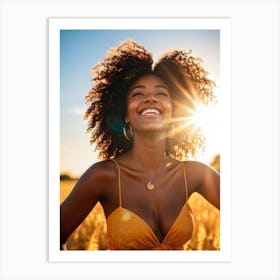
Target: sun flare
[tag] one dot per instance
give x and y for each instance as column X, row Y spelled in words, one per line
column 203, row 119
column 206, row 119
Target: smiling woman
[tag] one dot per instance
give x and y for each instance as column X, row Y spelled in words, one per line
column 149, row 105
column 137, row 119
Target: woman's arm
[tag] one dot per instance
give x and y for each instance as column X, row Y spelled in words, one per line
column 86, row 193
column 205, row 181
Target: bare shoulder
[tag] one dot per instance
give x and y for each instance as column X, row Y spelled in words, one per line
column 197, row 167
column 199, row 175
column 89, row 189
column 98, row 177
column 102, row 169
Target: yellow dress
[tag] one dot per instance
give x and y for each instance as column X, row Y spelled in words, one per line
column 127, row 231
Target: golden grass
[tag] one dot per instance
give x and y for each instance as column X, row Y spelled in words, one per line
column 91, row 234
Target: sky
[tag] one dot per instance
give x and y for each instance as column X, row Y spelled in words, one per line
column 80, row 50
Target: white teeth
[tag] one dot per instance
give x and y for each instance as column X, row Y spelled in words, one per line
column 150, row 111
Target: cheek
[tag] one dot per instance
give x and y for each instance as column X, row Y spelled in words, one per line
column 130, row 109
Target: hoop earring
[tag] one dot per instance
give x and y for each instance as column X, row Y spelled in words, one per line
column 130, row 136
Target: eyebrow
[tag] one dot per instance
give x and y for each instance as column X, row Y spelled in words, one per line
column 142, row 86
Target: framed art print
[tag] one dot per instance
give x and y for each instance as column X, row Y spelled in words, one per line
column 75, row 46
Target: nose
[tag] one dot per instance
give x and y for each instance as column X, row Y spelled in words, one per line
column 150, row 98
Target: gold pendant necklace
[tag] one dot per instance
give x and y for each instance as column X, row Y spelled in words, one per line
column 150, row 186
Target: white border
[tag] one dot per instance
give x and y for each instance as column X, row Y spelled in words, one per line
column 57, row 24
column 24, row 208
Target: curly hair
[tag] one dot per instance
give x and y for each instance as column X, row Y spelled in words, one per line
column 112, row 78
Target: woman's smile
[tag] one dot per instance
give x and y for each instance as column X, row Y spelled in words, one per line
column 149, row 104
column 150, row 112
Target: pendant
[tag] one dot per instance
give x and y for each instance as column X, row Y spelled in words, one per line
column 150, row 186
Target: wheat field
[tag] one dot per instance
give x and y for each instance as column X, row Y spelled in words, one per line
column 91, row 234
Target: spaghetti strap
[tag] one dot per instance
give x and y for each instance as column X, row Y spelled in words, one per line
column 185, row 180
column 119, row 182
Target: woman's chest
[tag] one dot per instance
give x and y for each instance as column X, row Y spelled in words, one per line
column 158, row 208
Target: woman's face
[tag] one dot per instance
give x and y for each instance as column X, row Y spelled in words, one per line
column 149, row 106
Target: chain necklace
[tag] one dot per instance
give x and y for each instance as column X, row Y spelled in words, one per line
column 150, row 186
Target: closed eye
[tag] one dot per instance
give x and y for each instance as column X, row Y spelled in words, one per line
column 163, row 94
column 138, row 93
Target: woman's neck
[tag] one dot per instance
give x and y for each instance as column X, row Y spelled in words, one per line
column 149, row 152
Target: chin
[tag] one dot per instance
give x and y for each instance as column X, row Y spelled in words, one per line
column 154, row 128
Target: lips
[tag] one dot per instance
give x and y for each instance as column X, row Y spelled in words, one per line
column 150, row 112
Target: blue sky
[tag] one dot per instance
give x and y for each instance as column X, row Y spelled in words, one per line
column 80, row 50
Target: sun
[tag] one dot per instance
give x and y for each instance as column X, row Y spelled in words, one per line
column 202, row 119
column 206, row 118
